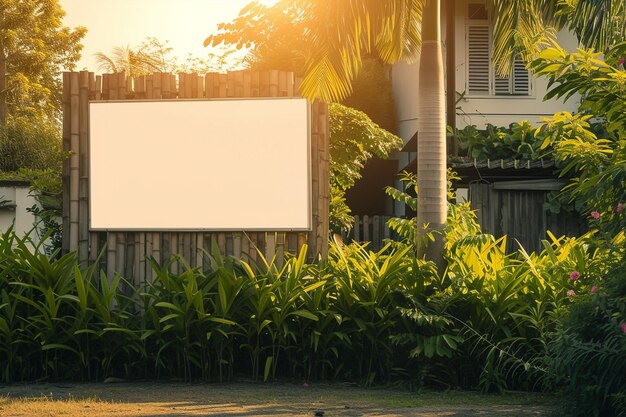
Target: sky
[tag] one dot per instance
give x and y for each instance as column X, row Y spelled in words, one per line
column 184, row 23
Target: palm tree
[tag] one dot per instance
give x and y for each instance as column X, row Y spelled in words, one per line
column 143, row 60
column 340, row 33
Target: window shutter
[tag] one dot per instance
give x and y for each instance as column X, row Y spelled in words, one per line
column 521, row 78
column 517, row 84
column 502, row 86
column 478, row 59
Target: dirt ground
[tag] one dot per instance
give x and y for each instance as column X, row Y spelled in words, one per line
column 255, row 399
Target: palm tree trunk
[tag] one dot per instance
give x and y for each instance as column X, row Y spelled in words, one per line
column 431, row 144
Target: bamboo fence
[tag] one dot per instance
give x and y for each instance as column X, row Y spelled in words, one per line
column 126, row 252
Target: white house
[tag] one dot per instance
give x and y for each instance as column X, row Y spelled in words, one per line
column 486, row 98
column 480, row 97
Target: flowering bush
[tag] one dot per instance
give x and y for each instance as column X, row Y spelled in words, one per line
column 588, row 354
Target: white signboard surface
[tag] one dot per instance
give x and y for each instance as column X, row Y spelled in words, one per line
column 200, row 165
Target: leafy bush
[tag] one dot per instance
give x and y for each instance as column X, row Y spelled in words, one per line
column 518, row 141
column 33, row 143
column 588, row 353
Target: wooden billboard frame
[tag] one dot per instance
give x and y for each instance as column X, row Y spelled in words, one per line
column 127, row 251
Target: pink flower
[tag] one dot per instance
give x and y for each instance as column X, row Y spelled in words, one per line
column 620, row 61
column 574, row 275
column 622, row 327
column 595, row 215
column 594, row 289
column 619, row 207
column 305, row 385
column 571, row 293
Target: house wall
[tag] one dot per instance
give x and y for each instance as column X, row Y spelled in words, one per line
column 14, row 212
column 479, row 111
column 502, row 110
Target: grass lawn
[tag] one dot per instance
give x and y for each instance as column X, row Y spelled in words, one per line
column 256, row 399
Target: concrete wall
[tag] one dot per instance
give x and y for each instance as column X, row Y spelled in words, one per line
column 14, row 212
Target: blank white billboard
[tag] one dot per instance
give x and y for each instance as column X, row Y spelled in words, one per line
column 239, row 164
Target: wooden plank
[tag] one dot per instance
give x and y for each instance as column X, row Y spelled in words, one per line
column 237, row 245
column 156, row 87
column 141, row 260
column 140, row 87
column 247, row 84
column 366, row 228
column 111, row 255
column 280, row 249
column 282, row 84
column 149, row 252
column 187, row 248
column 121, row 86
column 92, row 86
column 199, row 250
column 292, row 243
column 98, row 95
column 83, row 168
column 357, row 229
column 302, row 240
column 223, row 85
column 324, row 182
column 129, row 259
column 270, row 246
column 245, row 247
column 149, row 87
column 221, row 243
column 120, row 253
column 254, row 247
column 230, row 84
column 255, row 87
column 189, row 84
column 129, row 93
column 239, row 87
column 74, row 160
column 209, row 89
column 67, row 133
column 112, row 90
column 291, row 90
column 94, row 247
column 166, row 86
column 386, row 230
column 105, row 86
column 376, row 239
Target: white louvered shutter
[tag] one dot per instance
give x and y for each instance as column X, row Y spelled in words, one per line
column 521, row 78
column 478, row 59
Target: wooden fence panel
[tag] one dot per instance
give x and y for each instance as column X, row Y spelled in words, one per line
column 126, row 252
column 520, row 214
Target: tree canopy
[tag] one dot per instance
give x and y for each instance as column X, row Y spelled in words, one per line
column 34, row 48
column 338, row 35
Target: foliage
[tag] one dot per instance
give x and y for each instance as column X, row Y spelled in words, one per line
column 30, row 143
column 518, row 141
column 153, row 56
column 35, row 47
column 330, row 59
column 460, row 223
column 601, row 83
column 491, row 308
column 372, row 94
column 354, row 138
column 58, row 320
column 587, row 354
column 362, row 315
